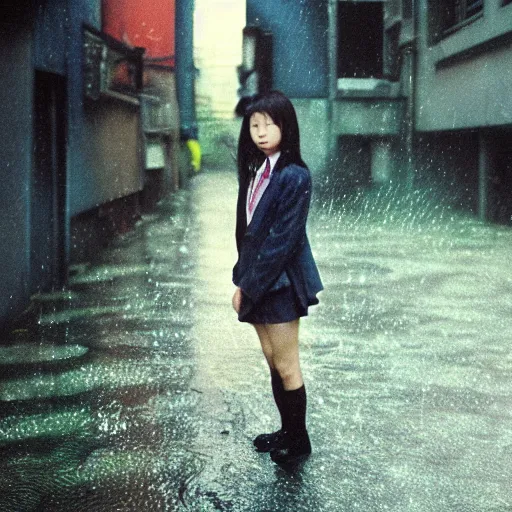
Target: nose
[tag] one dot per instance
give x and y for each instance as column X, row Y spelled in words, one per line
column 262, row 130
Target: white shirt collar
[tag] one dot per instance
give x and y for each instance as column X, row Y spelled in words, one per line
column 273, row 159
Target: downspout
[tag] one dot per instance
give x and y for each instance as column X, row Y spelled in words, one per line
column 185, row 79
column 332, row 46
column 484, row 164
column 411, row 97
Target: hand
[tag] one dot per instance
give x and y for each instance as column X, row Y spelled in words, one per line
column 237, row 300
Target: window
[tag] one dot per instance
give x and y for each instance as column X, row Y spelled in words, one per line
column 456, row 12
column 448, row 16
column 360, row 39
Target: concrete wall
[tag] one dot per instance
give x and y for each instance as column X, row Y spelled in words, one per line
column 465, row 80
column 111, row 161
column 313, row 117
column 50, row 36
column 16, row 98
column 104, row 139
column 367, row 117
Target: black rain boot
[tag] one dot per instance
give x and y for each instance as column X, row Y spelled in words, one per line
column 295, row 445
column 267, row 442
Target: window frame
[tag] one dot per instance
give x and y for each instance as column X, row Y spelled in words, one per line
column 438, row 30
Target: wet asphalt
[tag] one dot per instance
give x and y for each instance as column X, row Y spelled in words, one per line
column 138, row 389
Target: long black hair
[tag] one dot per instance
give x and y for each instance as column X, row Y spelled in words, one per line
column 280, row 109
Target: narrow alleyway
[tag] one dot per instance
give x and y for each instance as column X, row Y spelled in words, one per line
column 139, row 390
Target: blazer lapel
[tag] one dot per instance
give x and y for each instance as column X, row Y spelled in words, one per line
column 267, row 197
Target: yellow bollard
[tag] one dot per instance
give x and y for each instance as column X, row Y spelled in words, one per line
column 195, row 154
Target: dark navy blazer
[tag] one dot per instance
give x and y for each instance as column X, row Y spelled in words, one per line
column 274, row 251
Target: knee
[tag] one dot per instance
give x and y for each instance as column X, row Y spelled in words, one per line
column 287, row 370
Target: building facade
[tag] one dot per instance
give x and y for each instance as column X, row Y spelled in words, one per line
column 407, row 92
column 82, row 151
column 463, row 99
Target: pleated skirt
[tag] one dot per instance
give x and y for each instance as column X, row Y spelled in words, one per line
column 276, row 307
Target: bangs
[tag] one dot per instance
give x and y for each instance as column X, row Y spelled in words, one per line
column 266, row 105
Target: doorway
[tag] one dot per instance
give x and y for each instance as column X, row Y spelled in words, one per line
column 48, row 187
column 500, row 189
column 360, row 39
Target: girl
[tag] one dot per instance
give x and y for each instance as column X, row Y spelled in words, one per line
column 276, row 275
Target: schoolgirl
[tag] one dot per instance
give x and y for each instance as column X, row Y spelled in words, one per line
column 275, row 275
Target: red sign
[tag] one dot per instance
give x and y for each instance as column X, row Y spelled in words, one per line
column 145, row 23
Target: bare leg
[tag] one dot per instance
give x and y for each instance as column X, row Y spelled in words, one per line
column 280, row 345
column 266, row 442
column 266, row 346
column 295, row 444
column 284, row 352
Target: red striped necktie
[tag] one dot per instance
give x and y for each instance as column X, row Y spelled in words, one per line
column 254, row 191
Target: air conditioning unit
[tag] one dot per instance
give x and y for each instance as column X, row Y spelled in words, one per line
column 110, row 68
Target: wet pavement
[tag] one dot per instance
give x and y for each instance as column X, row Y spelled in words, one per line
column 139, row 390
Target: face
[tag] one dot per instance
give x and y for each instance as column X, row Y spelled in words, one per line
column 265, row 133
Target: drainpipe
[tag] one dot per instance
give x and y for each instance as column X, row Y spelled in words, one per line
column 411, row 97
column 484, row 165
column 333, row 79
column 185, row 79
